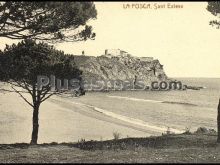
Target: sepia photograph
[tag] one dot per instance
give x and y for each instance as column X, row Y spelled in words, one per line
column 109, row 82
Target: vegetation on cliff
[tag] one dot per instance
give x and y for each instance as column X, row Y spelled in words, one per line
column 120, row 69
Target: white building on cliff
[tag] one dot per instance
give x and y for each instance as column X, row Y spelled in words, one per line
column 118, row 52
column 148, row 59
column 115, row 52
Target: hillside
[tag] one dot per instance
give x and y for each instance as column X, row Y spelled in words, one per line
column 191, row 148
column 120, row 68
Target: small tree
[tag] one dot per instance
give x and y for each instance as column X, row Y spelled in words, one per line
column 214, row 8
column 48, row 21
column 21, row 64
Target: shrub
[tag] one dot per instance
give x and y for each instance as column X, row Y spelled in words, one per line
column 187, row 131
column 204, row 130
column 116, row 135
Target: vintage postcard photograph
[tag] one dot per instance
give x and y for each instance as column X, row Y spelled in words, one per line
column 109, row 82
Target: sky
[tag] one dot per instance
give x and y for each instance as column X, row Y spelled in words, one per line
column 181, row 38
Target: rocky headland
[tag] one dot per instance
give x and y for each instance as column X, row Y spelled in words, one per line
column 118, row 67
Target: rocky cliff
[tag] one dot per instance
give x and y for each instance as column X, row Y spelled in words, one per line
column 120, row 69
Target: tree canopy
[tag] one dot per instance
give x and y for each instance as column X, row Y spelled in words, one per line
column 21, row 64
column 24, row 61
column 48, row 21
column 214, row 8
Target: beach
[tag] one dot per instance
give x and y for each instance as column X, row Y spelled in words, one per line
column 96, row 116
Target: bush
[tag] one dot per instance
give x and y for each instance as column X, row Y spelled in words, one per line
column 116, row 135
column 203, row 130
column 187, row 131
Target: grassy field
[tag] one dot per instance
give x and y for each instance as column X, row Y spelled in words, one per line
column 193, row 148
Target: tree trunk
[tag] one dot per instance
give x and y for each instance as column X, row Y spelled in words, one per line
column 218, row 122
column 35, row 124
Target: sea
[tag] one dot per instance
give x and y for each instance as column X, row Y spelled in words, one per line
column 176, row 109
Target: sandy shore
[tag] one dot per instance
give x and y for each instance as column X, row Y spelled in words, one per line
column 60, row 121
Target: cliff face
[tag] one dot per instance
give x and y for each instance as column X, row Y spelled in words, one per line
column 120, row 68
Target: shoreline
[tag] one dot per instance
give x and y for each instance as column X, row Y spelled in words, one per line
column 74, row 122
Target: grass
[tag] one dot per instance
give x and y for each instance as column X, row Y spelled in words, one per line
column 184, row 148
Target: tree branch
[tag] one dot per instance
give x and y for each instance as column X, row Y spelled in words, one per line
column 47, row 97
column 6, row 90
column 22, row 96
